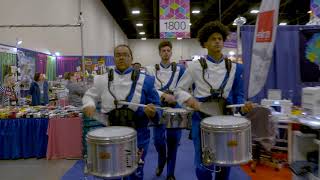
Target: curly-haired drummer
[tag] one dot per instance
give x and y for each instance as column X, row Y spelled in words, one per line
column 215, row 78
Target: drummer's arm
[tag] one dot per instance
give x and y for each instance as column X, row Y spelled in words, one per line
column 237, row 87
column 185, row 82
column 152, row 97
column 92, row 95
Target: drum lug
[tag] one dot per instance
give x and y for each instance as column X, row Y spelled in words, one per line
column 208, row 157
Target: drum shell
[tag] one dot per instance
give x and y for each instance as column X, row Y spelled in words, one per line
column 112, row 157
column 180, row 120
column 228, row 145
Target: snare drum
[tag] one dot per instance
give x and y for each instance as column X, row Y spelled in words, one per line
column 112, row 152
column 225, row 140
column 176, row 118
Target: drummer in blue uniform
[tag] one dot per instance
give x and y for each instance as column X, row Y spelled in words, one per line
column 126, row 84
column 166, row 141
column 215, row 78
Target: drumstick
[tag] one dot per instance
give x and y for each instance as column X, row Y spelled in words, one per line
column 140, row 105
column 235, row 105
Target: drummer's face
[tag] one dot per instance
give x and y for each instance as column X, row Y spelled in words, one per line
column 214, row 43
column 165, row 53
column 123, row 58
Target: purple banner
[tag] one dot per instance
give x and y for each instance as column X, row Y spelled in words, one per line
column 231, row 41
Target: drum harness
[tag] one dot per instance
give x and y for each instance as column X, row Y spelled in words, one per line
column 165, row 88
column 217, row 96
column 123, row 116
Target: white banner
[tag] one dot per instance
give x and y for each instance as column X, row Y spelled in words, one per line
column 263, row 43
column 174, row 25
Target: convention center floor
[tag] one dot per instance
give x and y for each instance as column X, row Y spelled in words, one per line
column 42, row 169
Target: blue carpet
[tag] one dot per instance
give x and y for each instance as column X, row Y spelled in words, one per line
column 184, row 167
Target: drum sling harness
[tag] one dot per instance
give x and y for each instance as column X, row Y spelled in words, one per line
column 216, row 95
column 123, row 116
column 165, row 88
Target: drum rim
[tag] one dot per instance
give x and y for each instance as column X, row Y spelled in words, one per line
column 164, row 121
column 119, row 138
column 236, row 126
column 225, row 130
column 239, row 162
column 167, row 112
column 111, row 141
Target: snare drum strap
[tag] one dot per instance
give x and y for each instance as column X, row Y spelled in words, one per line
column 134, row 77
column 174, row 69
column 216, row 92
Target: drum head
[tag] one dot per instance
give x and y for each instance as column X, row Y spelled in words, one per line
column 111, row 133
column 225, row 122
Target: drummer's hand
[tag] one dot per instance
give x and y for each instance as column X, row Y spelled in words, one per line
column 150, row 110
column 89, row 111
column 168, row 98
column 248, row 106
column 193, row 103
column 140, row 153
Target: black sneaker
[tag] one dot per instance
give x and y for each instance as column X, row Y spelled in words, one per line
column 171, row 178
column 159, row 170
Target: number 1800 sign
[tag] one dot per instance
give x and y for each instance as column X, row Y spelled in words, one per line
column 175, row 25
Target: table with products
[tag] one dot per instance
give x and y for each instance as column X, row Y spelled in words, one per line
column 52, row 136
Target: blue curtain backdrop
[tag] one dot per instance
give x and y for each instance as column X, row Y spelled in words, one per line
column 284, row 72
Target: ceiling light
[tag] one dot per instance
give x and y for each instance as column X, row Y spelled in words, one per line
column 195, row 11
column 309, row 12
column 57, row 53
column 139, row 24
column 254, row 11
column 240, row 21
column 19, row 42
column 179, row 38
column 283, row 24
column 190, row 24
column 135, row 11
column 143, row 38
column 142, row 33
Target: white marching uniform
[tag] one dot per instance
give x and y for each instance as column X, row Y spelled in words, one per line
column 166, row 141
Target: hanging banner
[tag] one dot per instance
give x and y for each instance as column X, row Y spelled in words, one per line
column 315, row 7
column 263, row 43
column 27, row 68
column 174, row 18
column 231, row 41
column 7, row 49
column 309, row 55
